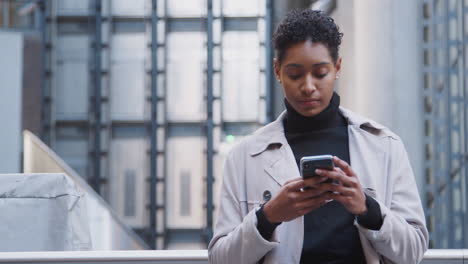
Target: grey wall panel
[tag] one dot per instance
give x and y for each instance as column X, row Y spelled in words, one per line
column 72, row 91
column 186, row 8
column 128, row 76
column 185, row 185
column 217, row 31
column 73, row 47
column 261, row 31
column 129, row 170
column 71, row 85
column 130, row 8
column 185, row 76
column 262, row 111
column 127, row 95
column 128, row 46
column 73, row 7
column 243, row 7
column 11, row 73
column 241, row 76
column 217, row 112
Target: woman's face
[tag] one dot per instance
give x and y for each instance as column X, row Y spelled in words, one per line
column 308, row 75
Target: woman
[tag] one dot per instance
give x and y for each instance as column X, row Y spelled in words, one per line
column 370, row 213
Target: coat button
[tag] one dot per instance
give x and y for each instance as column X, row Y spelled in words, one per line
column 266, row 196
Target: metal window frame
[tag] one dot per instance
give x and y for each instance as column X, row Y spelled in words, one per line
column 97, row 114
column 209, row 121
column 154, row 125
column 157, row 232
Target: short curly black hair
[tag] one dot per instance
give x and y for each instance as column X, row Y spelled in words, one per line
column 301, row 25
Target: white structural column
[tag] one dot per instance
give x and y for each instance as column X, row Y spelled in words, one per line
column 11, row 75
column 381, row 75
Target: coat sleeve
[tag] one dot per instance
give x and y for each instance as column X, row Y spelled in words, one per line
column 403, row 237
column 236, row 238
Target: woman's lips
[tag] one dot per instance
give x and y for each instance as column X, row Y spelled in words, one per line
column 309, row 103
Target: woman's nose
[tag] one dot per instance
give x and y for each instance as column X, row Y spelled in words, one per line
column 308, row 87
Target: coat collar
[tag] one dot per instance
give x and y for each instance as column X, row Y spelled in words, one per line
column 273, row 133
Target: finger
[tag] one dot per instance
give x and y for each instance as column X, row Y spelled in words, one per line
column 344, row 166
column 338, row 175
column 311, row 182
column 311, row 202
column 309, row 193
column 293, row 180
column 339, row 198
column 295, row 185
column 336, row 188
column 335, row 174
column 307, row 207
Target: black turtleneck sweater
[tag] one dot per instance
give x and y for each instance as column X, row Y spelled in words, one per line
column 329, row 233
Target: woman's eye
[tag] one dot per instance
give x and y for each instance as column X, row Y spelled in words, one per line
column 295, row 77
column 321, row 75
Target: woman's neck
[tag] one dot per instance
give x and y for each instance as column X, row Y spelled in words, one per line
column 330, row 117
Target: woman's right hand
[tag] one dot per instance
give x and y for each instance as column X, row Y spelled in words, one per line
column 296, row 198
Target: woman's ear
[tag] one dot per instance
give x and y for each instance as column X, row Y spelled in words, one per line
column 277, row 67
column 338, row 67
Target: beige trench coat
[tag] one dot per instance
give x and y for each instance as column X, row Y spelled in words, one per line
column 264, row 161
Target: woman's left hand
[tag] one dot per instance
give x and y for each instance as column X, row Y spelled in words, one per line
column 345, row 188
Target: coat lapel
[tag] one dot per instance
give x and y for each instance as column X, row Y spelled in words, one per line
column 274, row 151
column 282, row 165
column 368, row 161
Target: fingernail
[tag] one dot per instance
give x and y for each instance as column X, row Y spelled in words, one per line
column 318, row 171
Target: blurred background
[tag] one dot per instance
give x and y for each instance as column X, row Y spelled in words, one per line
column 140, row 101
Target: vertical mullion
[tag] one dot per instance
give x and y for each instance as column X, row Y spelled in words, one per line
column 97, row 96
column 46, row 97
column 154, row 124
column 462, row 74
column 428, row 113
column 457, row 156
column 456, row 130
column 209, row 121
column 269, row 61
column 448, row 131
column 435, row 119
column 221, row 70
column 52, row 28
column 166, row 129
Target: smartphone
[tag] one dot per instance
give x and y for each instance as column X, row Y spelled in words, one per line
column 309, row 164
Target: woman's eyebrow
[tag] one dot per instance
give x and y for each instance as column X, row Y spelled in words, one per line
column 320, row 64
column 296, row 65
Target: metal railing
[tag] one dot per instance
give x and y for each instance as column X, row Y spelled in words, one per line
column 121, row 257
column 433, row 256
column 446, row 256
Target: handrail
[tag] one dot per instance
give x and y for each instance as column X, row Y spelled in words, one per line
column 167, row 256
column 199, row 256
column 446, row 254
